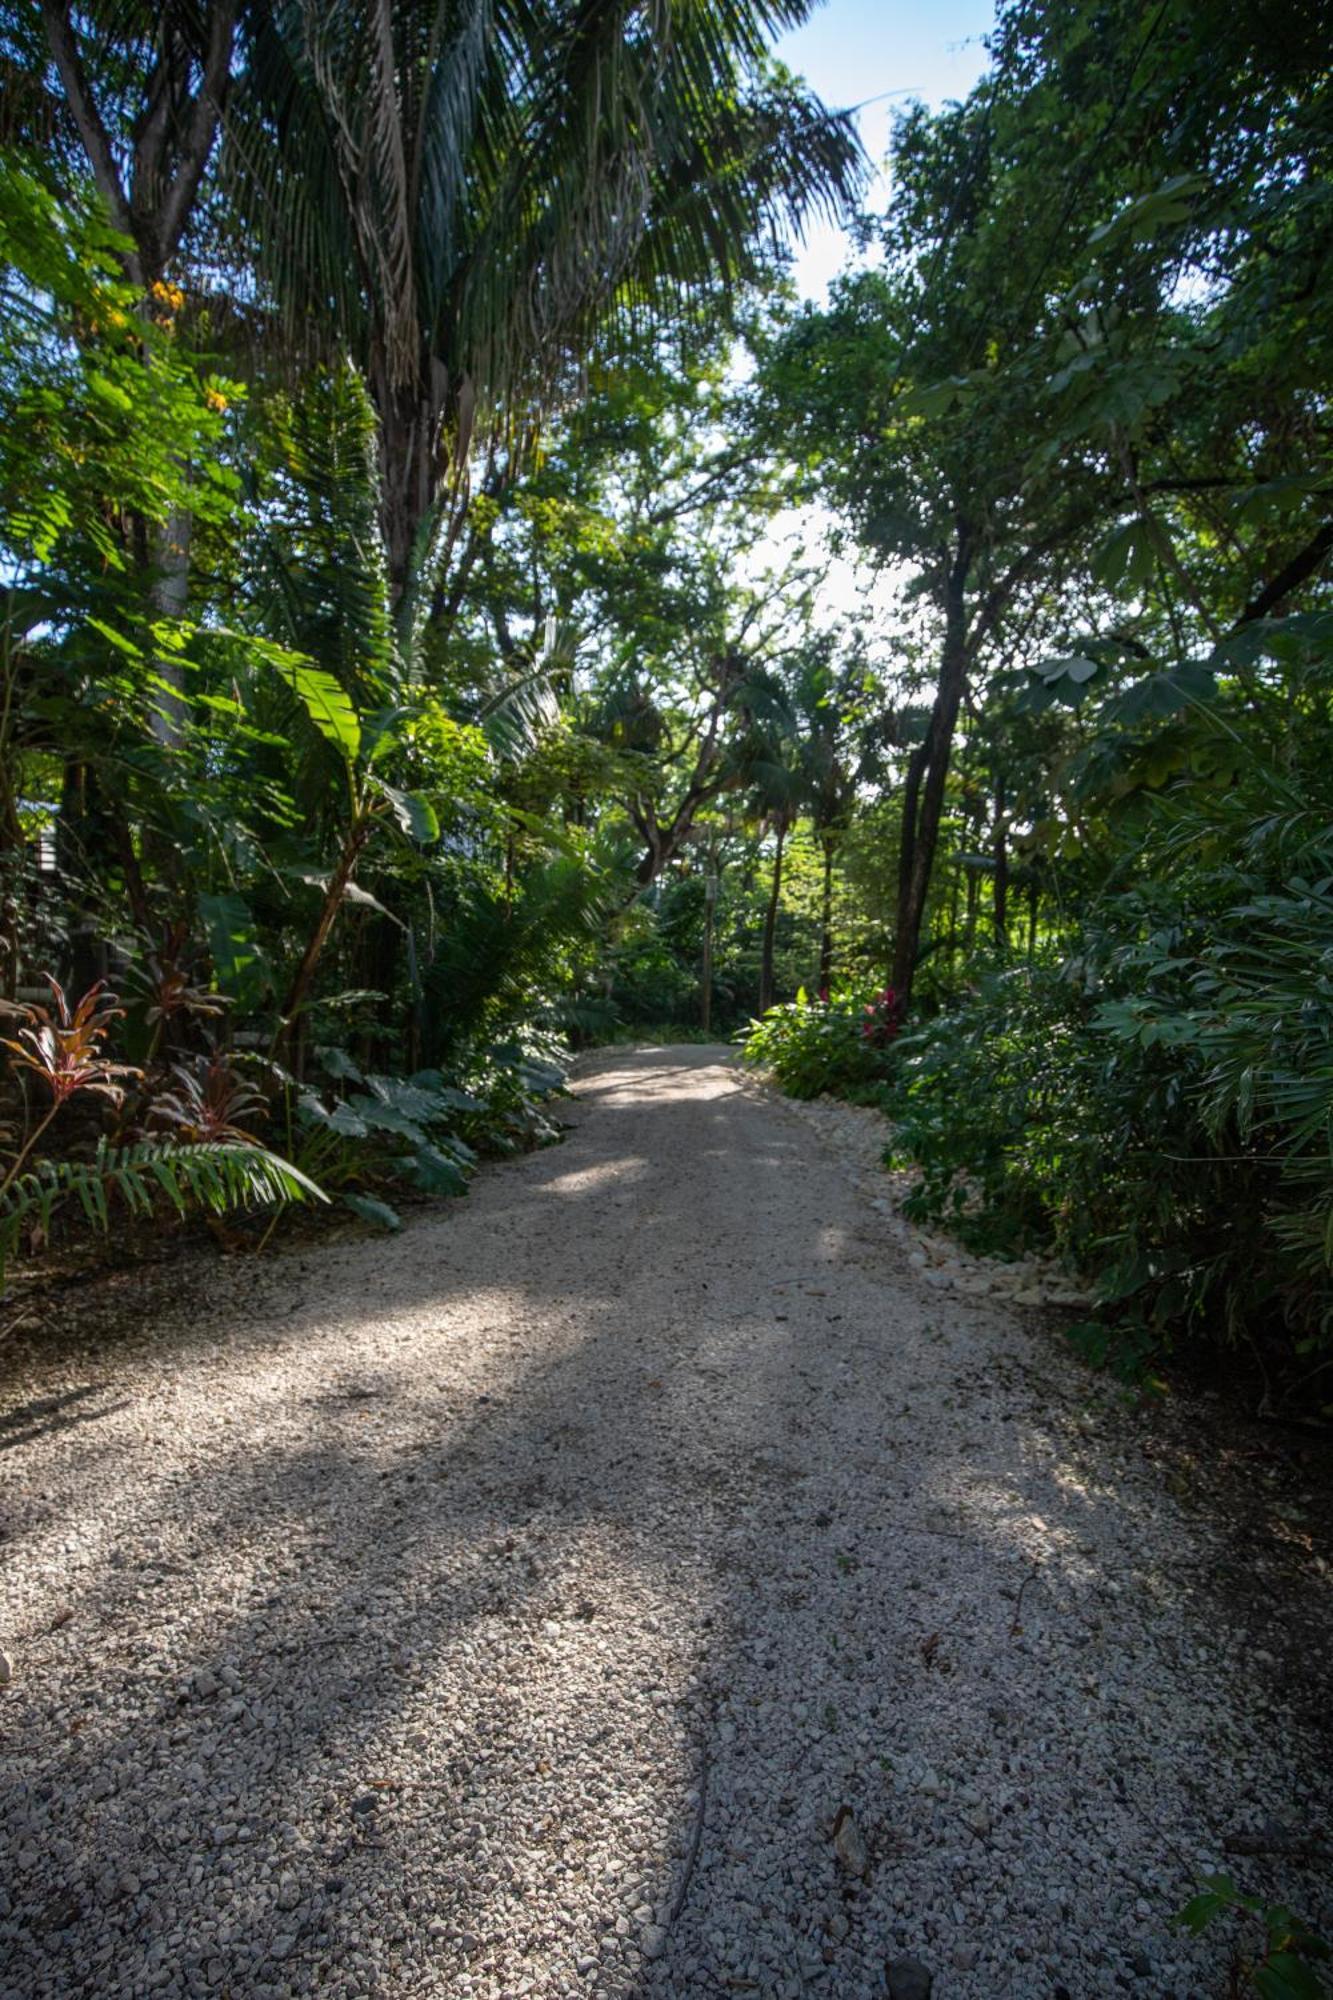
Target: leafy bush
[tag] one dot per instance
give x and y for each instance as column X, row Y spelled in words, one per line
column 501, row 957
column 836, row 1045
column 423, row 1132
column 993, row 1102
column 1160, row 1115
column 213, row 1176
column 512, row 1091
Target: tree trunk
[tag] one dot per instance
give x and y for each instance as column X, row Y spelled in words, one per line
column 706, row 981
column 412, row 467
column 954, row 887
column 921, row 822
column 826, row 919
column 771, row 925
column 80, row 841
column 357, row 836
column 1034, row 895
column 916, row 765
column 1000, row 849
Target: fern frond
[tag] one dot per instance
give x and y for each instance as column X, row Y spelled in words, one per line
column 216, row 1177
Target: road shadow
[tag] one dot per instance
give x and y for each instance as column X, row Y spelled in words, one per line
column 527, row 1597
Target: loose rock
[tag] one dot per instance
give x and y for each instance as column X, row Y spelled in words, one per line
column 909, row 1979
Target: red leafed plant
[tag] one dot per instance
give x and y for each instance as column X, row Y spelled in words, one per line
column 166, row 983
column 208, row 1102
column 209, row 1160
column 64, row 1049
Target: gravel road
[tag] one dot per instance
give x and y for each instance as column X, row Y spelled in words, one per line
column 633, row 1580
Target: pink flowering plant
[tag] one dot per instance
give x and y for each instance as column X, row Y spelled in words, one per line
column 881, row 1018
column 837, row 1044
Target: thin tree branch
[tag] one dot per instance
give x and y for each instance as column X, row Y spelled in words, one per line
column 204, row 117
column 1304, row 564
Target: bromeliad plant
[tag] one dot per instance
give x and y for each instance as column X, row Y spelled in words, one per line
column 211, row 1163
column 208, row 1102
column 881, row 1019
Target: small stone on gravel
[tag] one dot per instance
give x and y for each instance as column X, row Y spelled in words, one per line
column 909, row 1979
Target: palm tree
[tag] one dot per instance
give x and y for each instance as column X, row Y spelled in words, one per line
column 464, row 191
column 458, row 194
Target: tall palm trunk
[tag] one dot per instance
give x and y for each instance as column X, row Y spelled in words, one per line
column 413, row 452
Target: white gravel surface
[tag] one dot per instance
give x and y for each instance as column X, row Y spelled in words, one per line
column 638, row 1579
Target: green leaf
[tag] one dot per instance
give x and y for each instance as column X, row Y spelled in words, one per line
column 383, row 1118
column 371, row 1209
column 341, row 1119
column 108, row 393
column 1065, row 675
column 932, row 399
column 240, row 965
column 337, row 1063
column 415, row 815
column 433, row 1171
column 1286, row 1977
column 1125, row 558
column 352, row 893
column 1153, row 213
column 1200, row 1910
column 326, row 702
column 116, row 639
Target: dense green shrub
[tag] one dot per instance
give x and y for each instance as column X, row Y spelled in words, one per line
column 839, row 1045
column 994, row 1101
column 1162, row 1119
column 367, row 1137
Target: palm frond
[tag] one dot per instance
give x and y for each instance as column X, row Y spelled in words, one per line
column 321, row 540
column 517, row 714
column 463, row 191
column 498, row 955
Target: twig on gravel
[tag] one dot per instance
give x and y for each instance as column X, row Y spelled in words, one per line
column 1290, row 1846
column 1017, row 1626
column 696, row 1838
